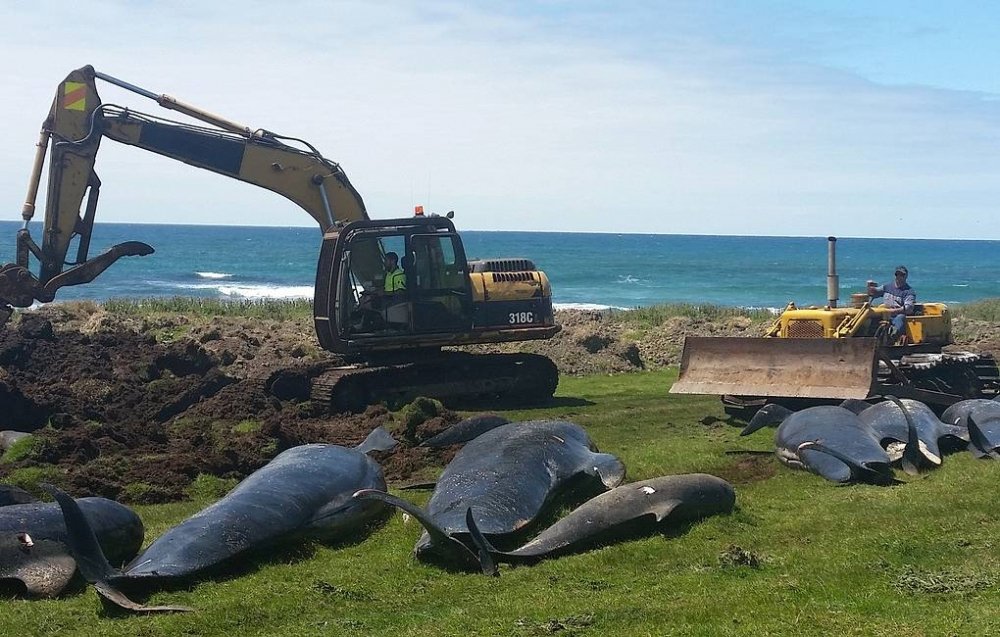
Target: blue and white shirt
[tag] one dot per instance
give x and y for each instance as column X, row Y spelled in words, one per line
column 894, row 297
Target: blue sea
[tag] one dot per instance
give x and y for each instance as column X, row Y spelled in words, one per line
column 586, row 270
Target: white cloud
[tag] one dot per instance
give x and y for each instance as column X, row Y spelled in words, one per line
column 560, row 117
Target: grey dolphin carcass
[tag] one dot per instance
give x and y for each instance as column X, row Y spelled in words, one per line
column 829, row 441
column 891, row 421
column 508, row 476
column 11, row 494
column 981, row 418
column 303, row 491
column 33, row 542
column 637, row 508
column 466, row 430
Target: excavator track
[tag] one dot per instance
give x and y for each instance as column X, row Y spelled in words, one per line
column 453, row 377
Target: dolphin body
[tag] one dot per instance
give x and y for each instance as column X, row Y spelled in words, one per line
column 304, row 491
column 637, row 508
column 466, row 430
column 10, row 494
column 981, row 418
column 829, row 441
column 891, row 423
column 33, row 541
column 508, row 476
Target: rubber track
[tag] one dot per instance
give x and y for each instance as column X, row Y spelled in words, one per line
column 449, row 376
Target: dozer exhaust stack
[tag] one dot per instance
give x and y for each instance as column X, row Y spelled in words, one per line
column 792, row 367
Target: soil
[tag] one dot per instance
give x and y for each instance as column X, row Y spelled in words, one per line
column 137, row 408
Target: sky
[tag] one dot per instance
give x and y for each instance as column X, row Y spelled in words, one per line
column 771, row 117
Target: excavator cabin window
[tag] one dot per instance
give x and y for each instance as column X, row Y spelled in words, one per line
column 436, row 298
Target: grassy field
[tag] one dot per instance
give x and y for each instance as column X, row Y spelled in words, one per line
column 798, row 556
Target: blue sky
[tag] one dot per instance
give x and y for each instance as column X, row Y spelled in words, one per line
column 779, row 118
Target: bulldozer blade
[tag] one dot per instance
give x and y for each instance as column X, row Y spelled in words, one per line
column 787, row 367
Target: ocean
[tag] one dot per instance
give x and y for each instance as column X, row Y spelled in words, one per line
column 586, row 270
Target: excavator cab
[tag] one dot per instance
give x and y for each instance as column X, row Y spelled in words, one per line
column 437, row 293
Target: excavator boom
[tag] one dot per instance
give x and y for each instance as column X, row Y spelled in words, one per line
column 74, row 128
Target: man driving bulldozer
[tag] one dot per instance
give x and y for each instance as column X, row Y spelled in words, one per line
column 899, row 297
column 374, row 302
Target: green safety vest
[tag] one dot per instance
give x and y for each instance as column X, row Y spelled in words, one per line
column 395, row 280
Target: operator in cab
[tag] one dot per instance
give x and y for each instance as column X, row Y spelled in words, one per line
column 395, row 278
column 899, row 297
column 375, row 301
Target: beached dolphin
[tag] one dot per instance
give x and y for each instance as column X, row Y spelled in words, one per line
column 10, row 494
column 508, row 476
column 981, row 418
column 33, row 541
column 829, row 441
column 891, row 422
column 629, row 510
column 304, row 491
column 465, row 430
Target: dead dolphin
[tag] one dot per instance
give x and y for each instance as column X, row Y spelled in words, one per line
column 466, row 430
column 981, row 418
column 625, row 511
column 856, row 455
column 10, row 494
column 33, row 541
column 303, row 491
column 891, row 421
column 507, row 476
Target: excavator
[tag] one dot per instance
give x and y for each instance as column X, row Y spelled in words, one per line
column 826, row 354
column 390, row 346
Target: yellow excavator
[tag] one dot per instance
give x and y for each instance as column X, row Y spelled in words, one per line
column 823, row 355
column 390, row 343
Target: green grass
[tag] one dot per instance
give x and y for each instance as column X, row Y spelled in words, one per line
column 799, row 555
column 204, row 307
column 984, row 310
column 655, row 315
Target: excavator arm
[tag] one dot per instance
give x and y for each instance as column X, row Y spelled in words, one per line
column 75, row 127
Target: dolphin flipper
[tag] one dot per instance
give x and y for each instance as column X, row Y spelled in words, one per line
column 979, row 444
column 378, row 440
column 824, row 464
column 437, row 534
column 609, row 469
column 113, row 595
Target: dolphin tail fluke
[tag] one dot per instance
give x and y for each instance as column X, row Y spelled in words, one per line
column 770, row 414
column 81, row 540
column 486, row 550
column 912, row 456
column 90, row 559
column 378, row 440
column 438, row 535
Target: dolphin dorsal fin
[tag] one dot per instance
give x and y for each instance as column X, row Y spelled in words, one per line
column 378, row 440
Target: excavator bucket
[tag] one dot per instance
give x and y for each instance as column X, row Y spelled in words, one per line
column 786, row 367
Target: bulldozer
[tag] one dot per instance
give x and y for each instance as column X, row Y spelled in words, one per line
column 390, row 342
column 826, row 354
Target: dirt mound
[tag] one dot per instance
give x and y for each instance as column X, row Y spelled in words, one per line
column 116, row 413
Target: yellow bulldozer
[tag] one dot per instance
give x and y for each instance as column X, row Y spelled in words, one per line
column 823, row 355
